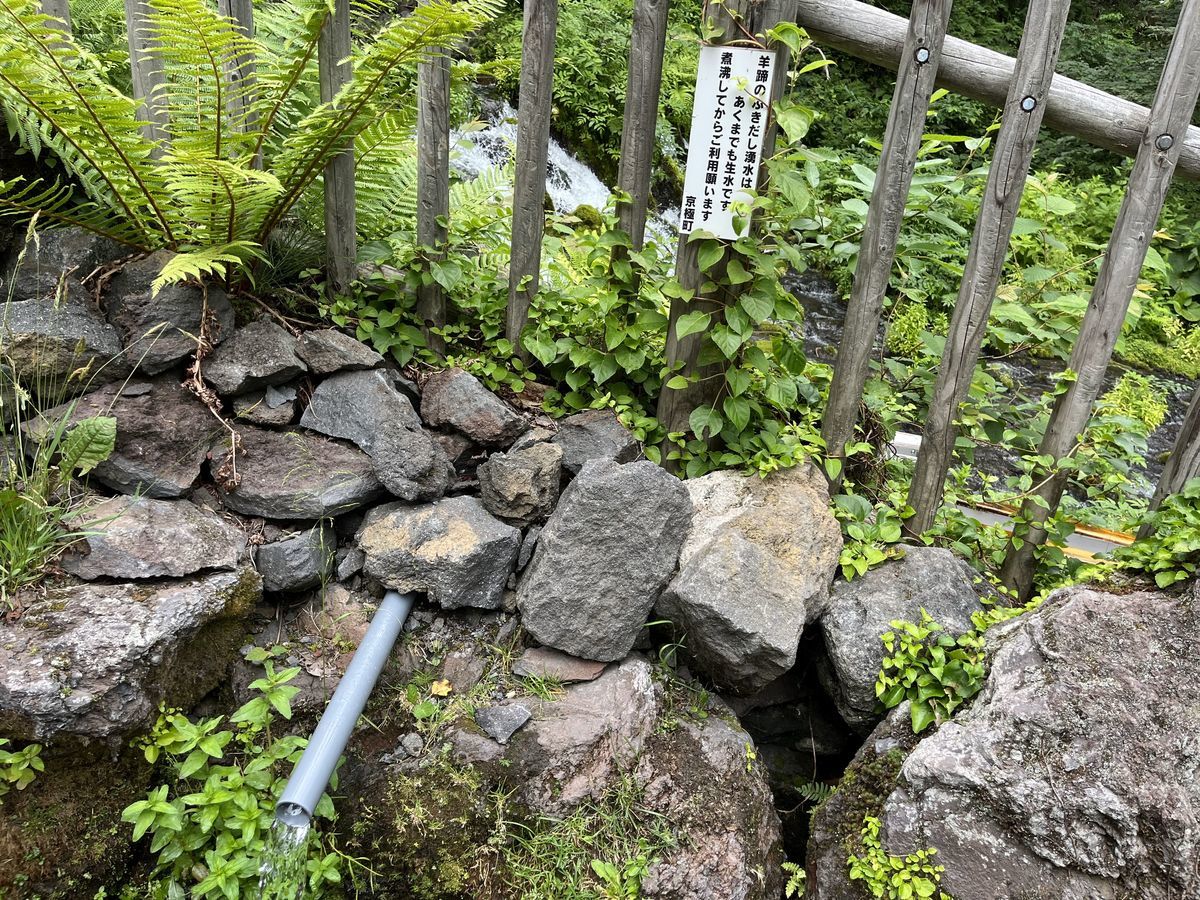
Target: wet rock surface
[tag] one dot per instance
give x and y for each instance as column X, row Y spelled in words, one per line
column 604, row 558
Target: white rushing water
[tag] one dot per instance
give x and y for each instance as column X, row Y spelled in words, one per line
column 282, row 870
column 569, row 181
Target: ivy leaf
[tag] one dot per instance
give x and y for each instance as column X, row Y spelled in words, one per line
column 709, row 254
column 678, row 383
column 727, row 341
column 756, row 306
column 922, row 716
column 691, row 323
column 739, row 381
column 543, row 348
column 736, row 273
column 704, row 419
column 737, row 411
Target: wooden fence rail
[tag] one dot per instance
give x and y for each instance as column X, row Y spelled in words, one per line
column 979, row 73
column 877, row 249
column 341, row 230
column 433, row 184
column 1178, row 91
column 147, row 71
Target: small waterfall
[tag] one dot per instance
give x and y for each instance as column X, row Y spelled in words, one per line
column 569, row 181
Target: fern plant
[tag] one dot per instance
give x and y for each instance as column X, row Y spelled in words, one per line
column 239, row 153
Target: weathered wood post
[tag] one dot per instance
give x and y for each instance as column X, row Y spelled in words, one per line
column 646, row 46
column 1178, row 91
column 147, row 71
column 533, row 140
column 1023, row 111
column 59, row 10
column 1184, row 462
column 433, row 184
column 675, row 405
column 341, row 233
column 240, row 71
column 877, row 250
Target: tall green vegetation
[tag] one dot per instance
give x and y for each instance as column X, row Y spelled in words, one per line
column 204, row 192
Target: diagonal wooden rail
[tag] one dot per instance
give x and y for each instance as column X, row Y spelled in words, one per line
column 1178, row 91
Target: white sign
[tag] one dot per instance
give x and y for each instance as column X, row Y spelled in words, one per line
column 729, row 119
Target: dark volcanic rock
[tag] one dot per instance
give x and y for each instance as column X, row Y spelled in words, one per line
column 329, row 350
column 160, row 329
column 458, row 399
column 258, row 355
column 521, row 486
column 604, row 558
column 275, row 406
column 57, row 255
column 163, row 436
column 46, row 340
column 366, row 409
column 297, row 562
column 291, row 475
column 595, row 434
column 137, row 537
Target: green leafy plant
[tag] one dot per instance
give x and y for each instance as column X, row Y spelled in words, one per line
column 872, row 533
column 1170, row 551
column 621, row 882
column 797, row 878
column 209, row 824
column 895, row 877
column 933, row 670
column 18, row 768
column 240, row 153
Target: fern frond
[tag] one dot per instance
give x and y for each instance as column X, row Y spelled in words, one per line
column 287, row 76
column 92, row 128
column 377, row 75
column 216, row 201
column 205, row 262
column 57, row 203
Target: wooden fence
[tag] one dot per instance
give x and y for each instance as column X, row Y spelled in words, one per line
column 1027, row 88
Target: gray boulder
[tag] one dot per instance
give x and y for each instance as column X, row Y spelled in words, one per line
column 521, row 486
column 595, row 434
column 297, row 562
column 756, row 566
column 160, row 329
column 367, row 410
column 47, row 340
column 1073, row 773
column 453, row 549
column 291, row 475
column 543, row 662
column 95, row 661
column 330, row 350
column 137, row 537
column 274, row 406
column 53, row 257
column 163, row 436
column 458, row 399
column 257, row 355
column 603, row 559
column 860, row 611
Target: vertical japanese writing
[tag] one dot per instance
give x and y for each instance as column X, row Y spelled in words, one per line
column 733, row 88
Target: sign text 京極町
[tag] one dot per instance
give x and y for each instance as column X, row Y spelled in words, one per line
column 729, row 119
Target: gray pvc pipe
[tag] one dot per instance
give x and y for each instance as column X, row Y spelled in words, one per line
column 300, row 796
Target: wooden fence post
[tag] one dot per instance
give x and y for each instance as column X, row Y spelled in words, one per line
column 1184, row 462
column 877, row 250
column 533, row 139
column 1178, row 91
column 433, row 184
column 646, row 46
column 341, row 234
column 241, row 70
column 147, row 71
column 675, row 405
column 1023, row 111
column 59, row 10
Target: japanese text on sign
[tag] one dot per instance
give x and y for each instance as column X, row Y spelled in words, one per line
column 729, row 119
